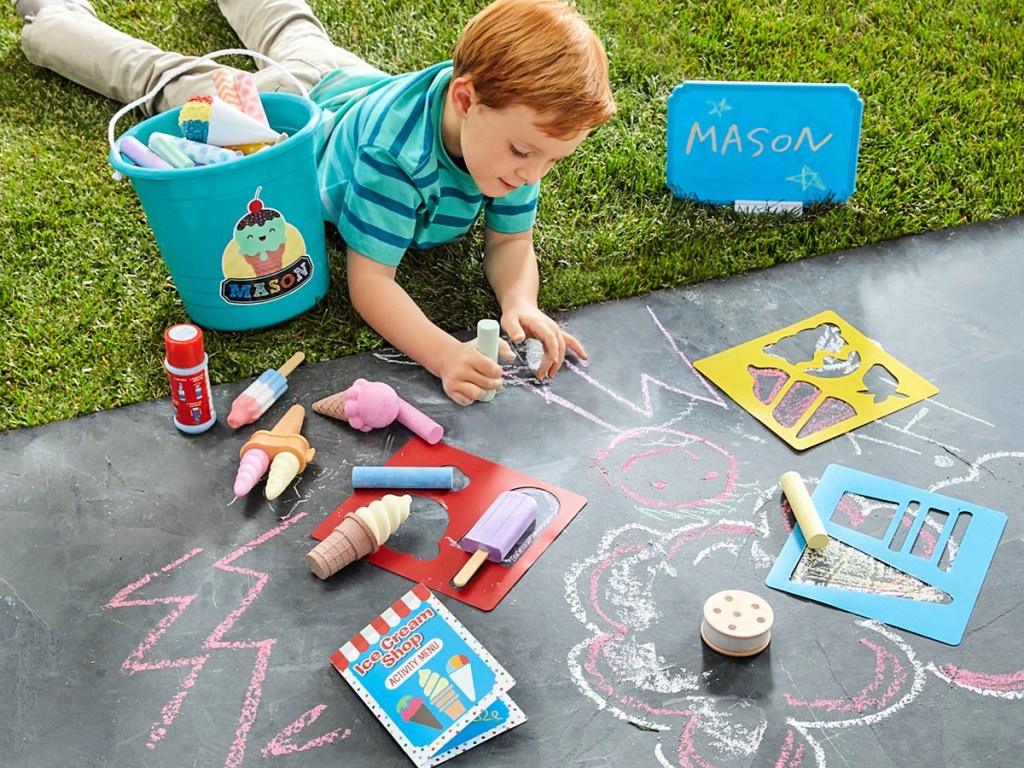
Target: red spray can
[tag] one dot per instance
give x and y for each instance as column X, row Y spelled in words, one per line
column 187, row 370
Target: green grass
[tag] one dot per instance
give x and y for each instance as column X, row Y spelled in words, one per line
column 85, row 297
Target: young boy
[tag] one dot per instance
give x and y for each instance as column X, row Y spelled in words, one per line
column 403, row 161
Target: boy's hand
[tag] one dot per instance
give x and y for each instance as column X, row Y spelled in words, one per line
column 467, row 374
column 531, row 322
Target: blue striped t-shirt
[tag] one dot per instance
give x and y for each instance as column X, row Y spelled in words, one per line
column 386, row 180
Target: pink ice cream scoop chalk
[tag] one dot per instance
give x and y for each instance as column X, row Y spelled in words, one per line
column 370, row 405
column 496, row 532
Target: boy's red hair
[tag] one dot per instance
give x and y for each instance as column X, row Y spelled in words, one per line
column 540, row 54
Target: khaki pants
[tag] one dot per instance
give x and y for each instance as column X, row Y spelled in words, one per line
column 70, row 41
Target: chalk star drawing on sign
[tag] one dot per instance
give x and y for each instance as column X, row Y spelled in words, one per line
column 718, row 107
column 807, row 178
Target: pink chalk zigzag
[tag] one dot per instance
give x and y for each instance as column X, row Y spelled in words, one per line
column 140, row 661
column 282, row 743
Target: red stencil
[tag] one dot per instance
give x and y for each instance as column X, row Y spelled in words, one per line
column 487, row 481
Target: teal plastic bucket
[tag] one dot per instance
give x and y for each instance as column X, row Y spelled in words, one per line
column 195, row 214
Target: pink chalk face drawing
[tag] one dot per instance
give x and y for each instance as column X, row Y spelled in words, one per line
column 650, row 464
column 815, row 380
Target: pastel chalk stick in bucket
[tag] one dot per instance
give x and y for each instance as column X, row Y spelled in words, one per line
column 243, row 240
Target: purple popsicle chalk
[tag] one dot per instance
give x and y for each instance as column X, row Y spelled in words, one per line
column 496, row 532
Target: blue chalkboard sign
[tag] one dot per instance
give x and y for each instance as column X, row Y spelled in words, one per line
column 793, row 142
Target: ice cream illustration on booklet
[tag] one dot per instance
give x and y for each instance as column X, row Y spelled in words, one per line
column 461, row 673
column 413, row 709
column 494, row 535
column 441, row 694
column 361, row 533
column 370, row 405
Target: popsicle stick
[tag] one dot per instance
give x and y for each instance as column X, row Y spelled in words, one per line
column 291, row 363
column 469, row 569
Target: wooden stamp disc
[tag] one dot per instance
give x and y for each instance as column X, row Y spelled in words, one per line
column 737, row 623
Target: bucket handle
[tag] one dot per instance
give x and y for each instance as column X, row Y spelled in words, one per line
column 181, row 69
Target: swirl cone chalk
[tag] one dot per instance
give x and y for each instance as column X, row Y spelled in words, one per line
column 359, row 534
column 251, row 469
column 283, row 470
column 262, row 393
column 213, row 121
column 370, row 405
column 284, row 438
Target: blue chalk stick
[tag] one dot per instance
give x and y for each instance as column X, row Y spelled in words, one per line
column 403, row 477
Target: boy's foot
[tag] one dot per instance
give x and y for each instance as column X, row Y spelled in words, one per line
column 28, row 9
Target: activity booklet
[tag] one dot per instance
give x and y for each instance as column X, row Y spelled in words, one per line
column 435, row 688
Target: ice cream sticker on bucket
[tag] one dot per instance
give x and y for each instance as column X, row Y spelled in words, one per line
column 266, row 258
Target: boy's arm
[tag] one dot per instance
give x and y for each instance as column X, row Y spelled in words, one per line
column 510, row 265
column 389, row 310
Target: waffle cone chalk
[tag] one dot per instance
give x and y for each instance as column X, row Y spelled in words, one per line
column 361, row 533
column 370, row 405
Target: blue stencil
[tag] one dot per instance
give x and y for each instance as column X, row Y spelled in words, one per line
column 793, row 142
column 958, row 581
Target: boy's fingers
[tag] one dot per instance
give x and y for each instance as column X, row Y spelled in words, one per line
column 514, row 330
column 571, row 342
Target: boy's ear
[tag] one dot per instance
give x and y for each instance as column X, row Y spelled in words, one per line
column 463, row 95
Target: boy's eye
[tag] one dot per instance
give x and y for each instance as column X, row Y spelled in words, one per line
column 518, row 152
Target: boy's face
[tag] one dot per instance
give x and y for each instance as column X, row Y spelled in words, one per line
column 504, row 148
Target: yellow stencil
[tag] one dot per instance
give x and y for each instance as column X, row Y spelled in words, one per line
column 814, row 380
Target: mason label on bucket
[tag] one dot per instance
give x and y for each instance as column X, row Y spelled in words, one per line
column 266, row 258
